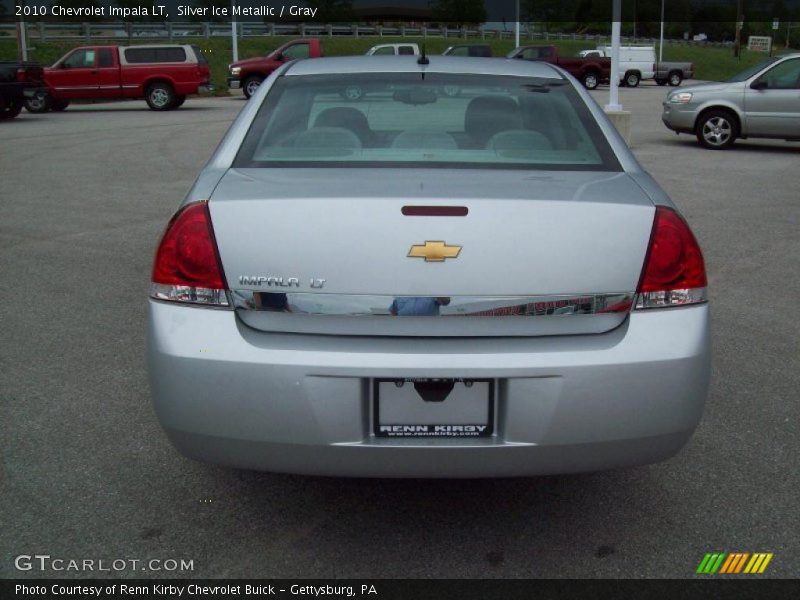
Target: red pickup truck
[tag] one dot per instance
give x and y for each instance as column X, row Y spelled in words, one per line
column 248, row 74
column 162, row 75
column 589, row 71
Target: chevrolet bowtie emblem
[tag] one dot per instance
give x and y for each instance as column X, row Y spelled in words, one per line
column 434, row 251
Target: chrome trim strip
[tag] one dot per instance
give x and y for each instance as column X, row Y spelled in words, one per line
column 472, row 306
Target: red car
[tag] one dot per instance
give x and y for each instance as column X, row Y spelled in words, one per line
column 162, row 75
column 248, row 74
column 590, row 71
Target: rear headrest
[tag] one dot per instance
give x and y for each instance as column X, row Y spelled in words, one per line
column 489, row 115
column 346, row 118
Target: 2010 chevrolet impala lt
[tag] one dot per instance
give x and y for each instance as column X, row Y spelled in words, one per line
column 427, row 283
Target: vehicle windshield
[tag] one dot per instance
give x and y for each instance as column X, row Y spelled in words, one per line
column 439, row 120
column 749, row 72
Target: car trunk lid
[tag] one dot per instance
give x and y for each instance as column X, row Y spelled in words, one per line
column 530, row 245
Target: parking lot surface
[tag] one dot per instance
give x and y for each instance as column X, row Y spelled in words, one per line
column 88, row 473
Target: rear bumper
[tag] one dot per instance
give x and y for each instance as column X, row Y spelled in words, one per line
column 228, row 394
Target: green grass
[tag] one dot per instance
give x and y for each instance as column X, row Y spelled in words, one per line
column 713, row 64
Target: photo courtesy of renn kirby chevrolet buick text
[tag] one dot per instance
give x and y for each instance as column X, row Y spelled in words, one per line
column 462, row 272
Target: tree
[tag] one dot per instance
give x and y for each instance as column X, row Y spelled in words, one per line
column 460, row 12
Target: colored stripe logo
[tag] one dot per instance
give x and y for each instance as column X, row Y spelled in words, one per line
column 734, row 563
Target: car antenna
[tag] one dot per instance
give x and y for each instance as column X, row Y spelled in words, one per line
column 423, row 57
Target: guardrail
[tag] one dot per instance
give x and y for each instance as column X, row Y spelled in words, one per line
column 91, row 32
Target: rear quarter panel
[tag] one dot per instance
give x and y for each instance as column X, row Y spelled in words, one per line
column 184, row 77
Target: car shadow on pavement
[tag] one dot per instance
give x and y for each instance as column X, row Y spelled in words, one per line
column 766, row 146
column 426, row 527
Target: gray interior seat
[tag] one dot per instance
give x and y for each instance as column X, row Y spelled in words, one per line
column 487, row 116
column 519, row 140
column 348, row 118
column 425, row 140
column 334, row 138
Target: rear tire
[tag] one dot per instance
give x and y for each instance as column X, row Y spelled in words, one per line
column 675, row 78
column 717, row 129
column 632, row 79
column 38, row 104
column 59, row 105
column 590, row 80
column 10, row 109
column 250, row 85
column 160, row 96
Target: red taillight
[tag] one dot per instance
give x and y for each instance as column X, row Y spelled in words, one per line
column 674, row 272
column 22, row 75
column 187, row 266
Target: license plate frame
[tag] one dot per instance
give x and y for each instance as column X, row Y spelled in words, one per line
column 436, row 431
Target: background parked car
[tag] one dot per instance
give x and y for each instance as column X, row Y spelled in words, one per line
column 673, row 73
column 162, row 75
column 762, row 101
column 17, row 82
column 481, row 50
column 248, row 74
column 589, row 71
column 639, row 62
column 394, row 50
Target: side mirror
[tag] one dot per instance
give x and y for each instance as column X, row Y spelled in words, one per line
column 279, row 56
column 759, row 84
column 65, row 65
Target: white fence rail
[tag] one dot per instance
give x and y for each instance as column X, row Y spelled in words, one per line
column 91, row 32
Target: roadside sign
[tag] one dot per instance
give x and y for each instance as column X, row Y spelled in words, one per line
column 759, row 43
column 775, row 24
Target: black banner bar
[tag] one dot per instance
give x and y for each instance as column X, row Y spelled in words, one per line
column 460, row 12
column 416, row 589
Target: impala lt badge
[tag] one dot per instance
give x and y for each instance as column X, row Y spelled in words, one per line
column 434, row 251
column 280, row 282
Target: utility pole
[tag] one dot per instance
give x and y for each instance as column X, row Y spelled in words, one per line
column 22, row 38
column 516, row 37
column 737, row 47
column 234, row 33
column 661, row 38
column 613, row 84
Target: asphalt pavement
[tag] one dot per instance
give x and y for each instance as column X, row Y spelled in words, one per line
column 88, row 474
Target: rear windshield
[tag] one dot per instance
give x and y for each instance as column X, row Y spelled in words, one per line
column 155, row 55
column 441, row 120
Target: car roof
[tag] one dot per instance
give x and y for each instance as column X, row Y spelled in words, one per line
column 409, row 64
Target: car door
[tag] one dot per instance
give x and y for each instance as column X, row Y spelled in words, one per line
column 76, row 75
column 108, row 75
column 772, row 102
column 297, row 51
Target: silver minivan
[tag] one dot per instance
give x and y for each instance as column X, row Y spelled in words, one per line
column 762, row 101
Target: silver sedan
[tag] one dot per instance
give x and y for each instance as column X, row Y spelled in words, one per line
column 427, row 285
column 760, row 102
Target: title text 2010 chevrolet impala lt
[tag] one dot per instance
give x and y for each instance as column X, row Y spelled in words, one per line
column 422, row 284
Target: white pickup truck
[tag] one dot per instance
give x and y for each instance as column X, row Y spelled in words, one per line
column 394, row 50
column 639, row 62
